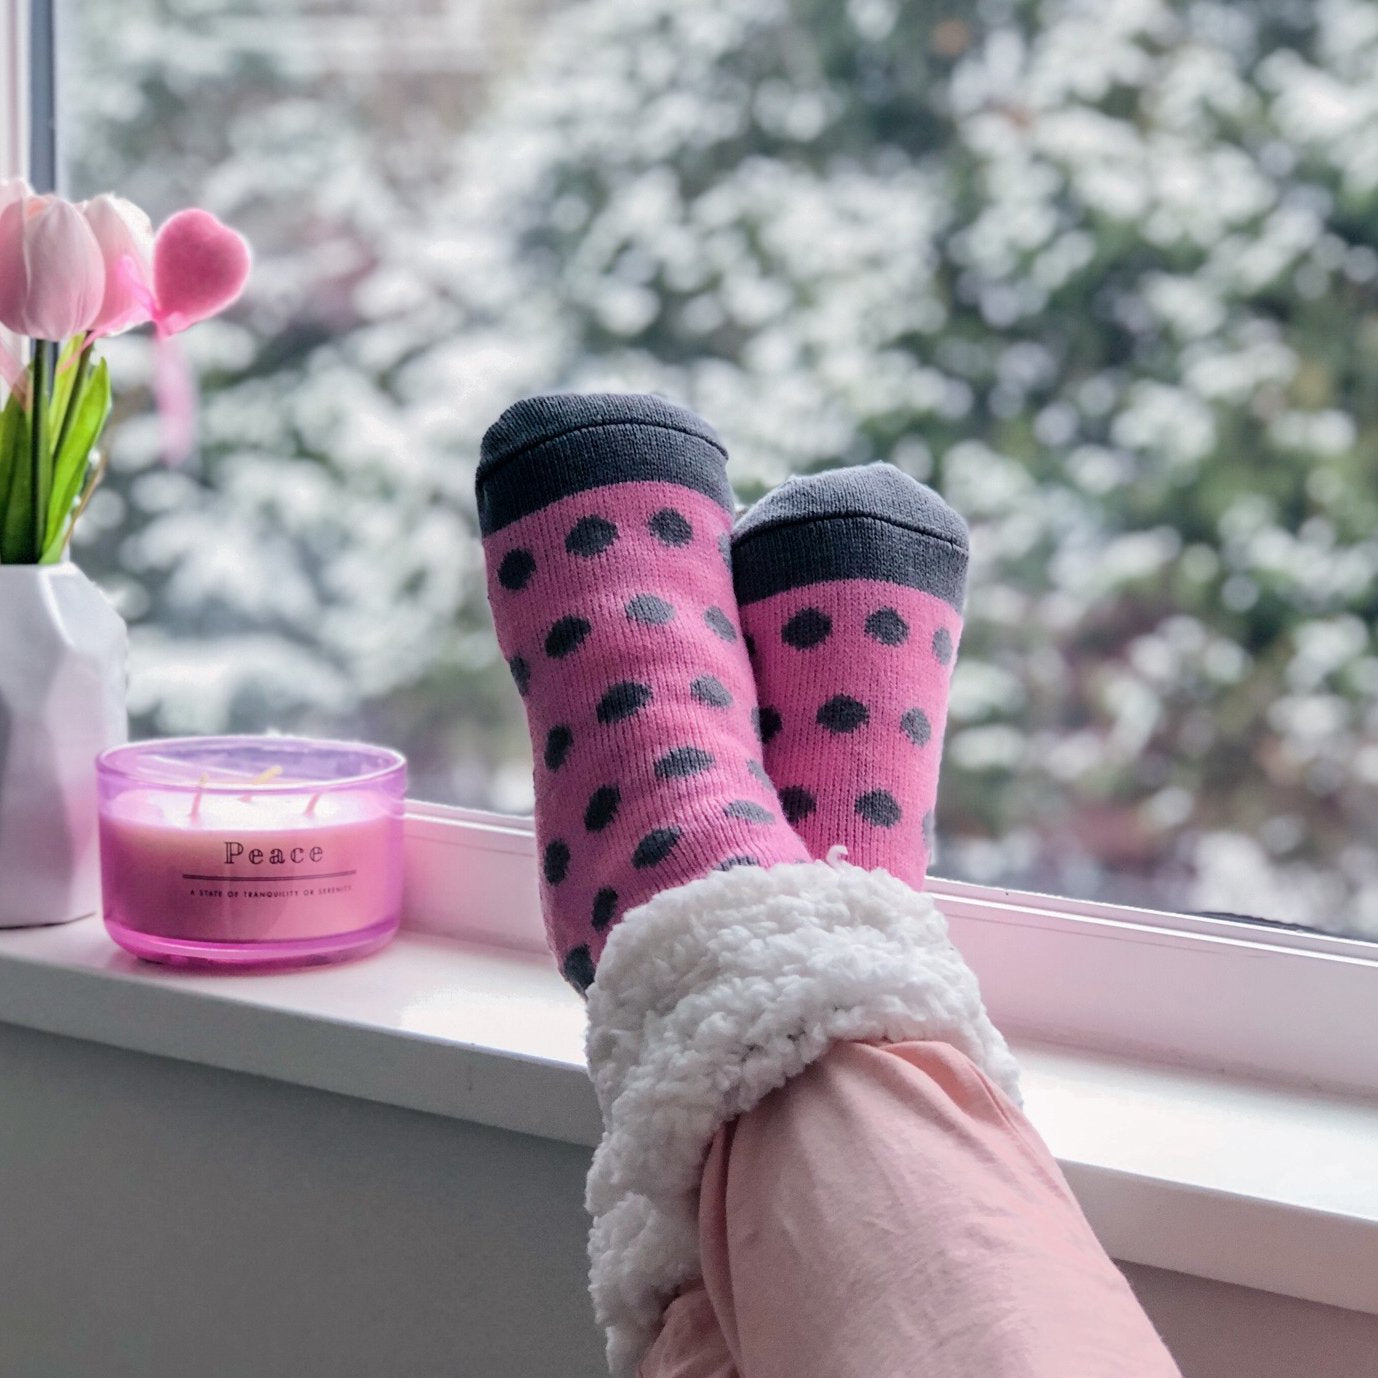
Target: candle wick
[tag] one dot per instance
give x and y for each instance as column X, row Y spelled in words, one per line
column 262, row 778
column 196, row 802
column 311, row 806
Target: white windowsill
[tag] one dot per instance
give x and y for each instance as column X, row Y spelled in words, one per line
column 1212, row 1176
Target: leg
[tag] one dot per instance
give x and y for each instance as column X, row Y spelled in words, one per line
column 605, row 523
column 691, row 1343
column 717, row 959
column 888, row 1213
column 851, row 586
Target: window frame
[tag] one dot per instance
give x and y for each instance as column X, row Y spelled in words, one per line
column 1291, row 1006
column 1221, row 995
column 28, row 115
column 14, row 106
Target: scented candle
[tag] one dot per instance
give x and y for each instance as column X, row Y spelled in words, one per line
column 251, row 851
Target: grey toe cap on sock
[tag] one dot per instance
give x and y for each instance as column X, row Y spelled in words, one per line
column 535, row 420
column 867, row 522
column 549, row 447
column 865, row 490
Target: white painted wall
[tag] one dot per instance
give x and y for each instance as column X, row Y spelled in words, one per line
column 1216, row 1330
column 161, row 1219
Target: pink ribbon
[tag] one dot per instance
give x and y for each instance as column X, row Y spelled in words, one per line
column 174, row 387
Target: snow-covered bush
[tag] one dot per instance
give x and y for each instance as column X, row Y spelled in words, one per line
column 1103, row 271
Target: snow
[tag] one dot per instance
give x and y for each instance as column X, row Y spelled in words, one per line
column 1102, row 272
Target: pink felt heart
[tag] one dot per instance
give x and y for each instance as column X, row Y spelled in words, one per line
column 199, row 267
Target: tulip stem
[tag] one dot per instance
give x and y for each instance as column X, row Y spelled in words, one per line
column 44, row 352
column 73, row 398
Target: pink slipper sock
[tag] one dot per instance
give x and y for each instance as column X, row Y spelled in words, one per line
column 850, row 586
column 605, row 525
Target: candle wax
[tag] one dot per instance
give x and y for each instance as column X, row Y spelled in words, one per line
column 229, row 868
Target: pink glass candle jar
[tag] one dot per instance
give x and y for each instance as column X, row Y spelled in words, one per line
column 251, row 851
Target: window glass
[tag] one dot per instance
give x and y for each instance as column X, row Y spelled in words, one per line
column 1105, row 272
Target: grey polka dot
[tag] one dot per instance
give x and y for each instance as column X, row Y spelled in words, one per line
column 917, row 727
column 622, row 701
column 807, row 628
column 767, row 723
column 725, row 545
column 758, row 772
column 842, row 714
column 888, row 627
column 521, row 674
column 720, row 623
column 604, row 907
column 683, row 760
column 516, row 568
column 879, row 807
column 670, row 527
column 710, row 691
column 578, row 968
column 655, row 847
column 602, row 808
column 942, row 645
column 556, row 864
column 590, row 536
column 647, row 608
column 566, row 636
column 731, row 863
column 749, row 811
column 797, row 803
column 557, row 744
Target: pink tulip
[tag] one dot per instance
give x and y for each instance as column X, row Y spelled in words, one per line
column 199, row 267
column 11, row 370
column 125, row 237
column 52, row 275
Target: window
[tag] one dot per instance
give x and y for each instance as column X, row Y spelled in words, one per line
column 1105, row 273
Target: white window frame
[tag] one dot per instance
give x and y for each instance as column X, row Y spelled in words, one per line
column 1216, row 994
column 1297, row 1007
column 29, row 92
column 14, row 87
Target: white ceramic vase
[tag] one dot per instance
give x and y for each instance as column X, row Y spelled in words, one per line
column 62, row 702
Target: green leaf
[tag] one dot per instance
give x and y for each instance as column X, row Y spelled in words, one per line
column 64, row 374
column 73, row 460
column 16, row 487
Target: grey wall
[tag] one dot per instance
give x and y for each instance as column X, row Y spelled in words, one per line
column 1218, row 1331
column 165, row 1220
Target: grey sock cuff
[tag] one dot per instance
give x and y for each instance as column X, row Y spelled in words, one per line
column 549, row 447
column 868, row 522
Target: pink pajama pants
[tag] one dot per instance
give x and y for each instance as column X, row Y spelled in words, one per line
column 889, row 1213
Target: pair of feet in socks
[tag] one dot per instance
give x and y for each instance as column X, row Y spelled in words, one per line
column 702, row 698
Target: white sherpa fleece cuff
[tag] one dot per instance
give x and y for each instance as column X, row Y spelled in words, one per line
column 710, row 996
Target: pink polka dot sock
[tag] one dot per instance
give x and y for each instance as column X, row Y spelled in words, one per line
column 850, row 586
column 605, row 524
